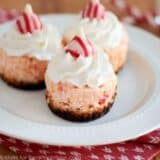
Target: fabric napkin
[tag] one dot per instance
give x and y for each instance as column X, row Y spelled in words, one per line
column 143, row 148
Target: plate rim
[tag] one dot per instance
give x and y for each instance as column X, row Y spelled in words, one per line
column 47, row 138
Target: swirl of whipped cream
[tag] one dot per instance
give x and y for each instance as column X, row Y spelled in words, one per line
column 107, row 33
column 41, row 44
column 92, row 71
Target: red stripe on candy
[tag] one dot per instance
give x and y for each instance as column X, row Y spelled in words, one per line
column 73, row 53
column 89, row 9
column 34, row 22
column 27, row 20
column 95, row 10
column 82, row 44
column 19, row 25
column 37, row 22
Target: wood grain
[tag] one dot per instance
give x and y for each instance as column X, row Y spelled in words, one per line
column 59, row 6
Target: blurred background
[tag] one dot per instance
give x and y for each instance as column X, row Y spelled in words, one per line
column 74, row 6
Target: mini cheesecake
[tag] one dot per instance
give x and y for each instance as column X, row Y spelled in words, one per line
column 104, row 29
column 80, row 82
column 25, row 49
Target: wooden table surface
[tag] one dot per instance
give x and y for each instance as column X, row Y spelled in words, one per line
column 59, row 6
column 50, row 6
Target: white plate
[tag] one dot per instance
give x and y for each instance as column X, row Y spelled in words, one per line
column 25, row 115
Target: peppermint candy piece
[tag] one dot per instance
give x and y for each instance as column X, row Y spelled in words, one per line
column 94, row 9
column 28, row 22
column 78, row 47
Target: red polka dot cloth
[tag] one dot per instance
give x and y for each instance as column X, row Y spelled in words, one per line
column 143, row 148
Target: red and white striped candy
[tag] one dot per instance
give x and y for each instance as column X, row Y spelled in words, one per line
column 94, row 9
column 28, row 22
column 78, row 47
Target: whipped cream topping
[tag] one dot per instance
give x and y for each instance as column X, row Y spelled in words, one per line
column 94, row 70
column 41, row 44
column 106, row 33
